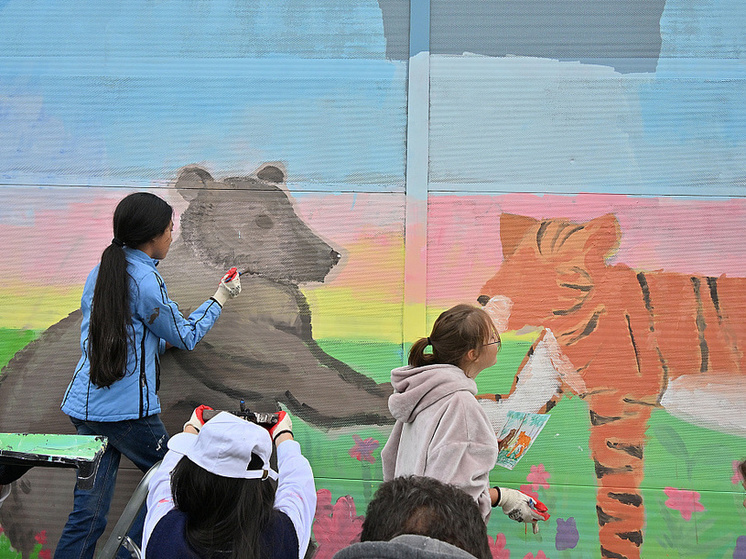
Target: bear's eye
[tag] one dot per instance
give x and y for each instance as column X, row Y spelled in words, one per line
column 264, row 221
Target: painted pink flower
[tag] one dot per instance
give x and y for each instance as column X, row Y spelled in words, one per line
column 497, row 547
column 335, row 526
column 45, row 554
column 684, row 501
column 737, row 477
column 41, row 537
column 539, row 555
column 530, row 490
column 363, row 449
column 323, row 503
column 538, row 476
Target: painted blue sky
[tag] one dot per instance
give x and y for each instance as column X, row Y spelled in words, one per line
column 129, row 92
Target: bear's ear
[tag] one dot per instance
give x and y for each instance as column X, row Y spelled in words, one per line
column 191, row 180
column 603, row 236
column 271, row 172
column 512, row 230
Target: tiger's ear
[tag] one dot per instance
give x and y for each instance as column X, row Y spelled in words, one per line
column 603, row 236
column 513, row 229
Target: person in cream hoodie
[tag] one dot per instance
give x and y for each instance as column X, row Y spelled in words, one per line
column 441, row 431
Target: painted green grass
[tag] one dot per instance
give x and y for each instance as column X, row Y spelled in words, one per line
column 12, row 340
column 677, row 455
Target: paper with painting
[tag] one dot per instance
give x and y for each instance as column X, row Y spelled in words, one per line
column 517, row 436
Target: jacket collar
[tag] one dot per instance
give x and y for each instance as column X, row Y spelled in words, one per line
column 140, row 256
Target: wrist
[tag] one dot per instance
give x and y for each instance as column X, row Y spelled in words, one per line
column 282, row 436
column 495, row 495
column 220, row 297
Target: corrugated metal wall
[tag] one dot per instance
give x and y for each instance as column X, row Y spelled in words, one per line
column 408, row 145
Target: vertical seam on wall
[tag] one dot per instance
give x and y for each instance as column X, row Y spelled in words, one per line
column 417, row 172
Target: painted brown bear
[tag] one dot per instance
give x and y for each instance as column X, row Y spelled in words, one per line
column 261, row 349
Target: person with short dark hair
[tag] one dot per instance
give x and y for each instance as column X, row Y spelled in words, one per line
column 424, row 506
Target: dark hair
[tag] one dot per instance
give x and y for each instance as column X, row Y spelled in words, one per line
column 427, row 507
column 138, row 218
column 455, row 332
column 223, row 513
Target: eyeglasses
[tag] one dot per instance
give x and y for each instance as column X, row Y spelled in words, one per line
column 498, row 341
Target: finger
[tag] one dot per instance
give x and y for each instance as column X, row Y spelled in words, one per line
column 541, row 515
column 541, row 507
column 536, row 527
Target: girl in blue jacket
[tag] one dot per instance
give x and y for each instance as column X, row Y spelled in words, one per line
column 128, row 320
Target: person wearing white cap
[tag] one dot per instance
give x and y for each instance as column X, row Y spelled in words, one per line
column 214, row 496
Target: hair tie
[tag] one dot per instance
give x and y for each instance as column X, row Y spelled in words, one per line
column 117, row 242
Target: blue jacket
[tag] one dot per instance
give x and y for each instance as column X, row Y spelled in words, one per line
column 155, row 320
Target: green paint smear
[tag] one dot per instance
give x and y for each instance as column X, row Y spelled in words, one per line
column 12, row 341
column 76, row 447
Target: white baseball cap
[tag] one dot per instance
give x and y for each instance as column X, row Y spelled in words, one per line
column 226, row 445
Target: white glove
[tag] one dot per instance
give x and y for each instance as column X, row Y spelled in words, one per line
column 230, row 286
column 197, row 421
column 284, row 425
column 521, row 507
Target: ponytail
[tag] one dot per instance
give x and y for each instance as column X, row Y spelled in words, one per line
column 138, row 218
column 417, row 355
column 110, row 318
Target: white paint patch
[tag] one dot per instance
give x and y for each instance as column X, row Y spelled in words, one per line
column 499, row 308
column 539, row 381
column 714, row 401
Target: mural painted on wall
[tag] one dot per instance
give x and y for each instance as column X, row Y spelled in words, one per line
column 614, row 459
column 629, row 305
column 265, row 352
column 284, row 124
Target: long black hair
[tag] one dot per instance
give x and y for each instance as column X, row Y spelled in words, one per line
column 223, row 514
column 138, row 218
column 455, row 332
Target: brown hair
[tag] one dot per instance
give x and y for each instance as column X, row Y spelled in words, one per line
column 455, row 332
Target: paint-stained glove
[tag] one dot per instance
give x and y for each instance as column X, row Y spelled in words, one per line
column 230, row 286
column 521, row 507
column 197, row 420
column 283, row 425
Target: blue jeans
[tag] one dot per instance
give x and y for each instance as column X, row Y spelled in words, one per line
column 141, row 440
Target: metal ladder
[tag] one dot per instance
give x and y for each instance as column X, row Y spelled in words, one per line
column 118, row 536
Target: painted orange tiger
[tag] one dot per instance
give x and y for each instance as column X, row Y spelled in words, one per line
column 626, row 341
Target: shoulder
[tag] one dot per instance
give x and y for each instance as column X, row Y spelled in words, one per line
column 168, row 540
column 280, row 537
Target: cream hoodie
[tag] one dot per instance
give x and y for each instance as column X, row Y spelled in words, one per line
column 440, row 431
